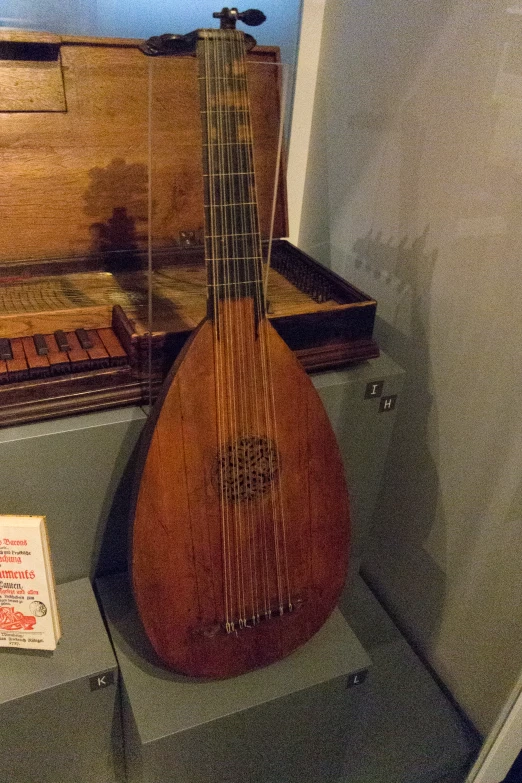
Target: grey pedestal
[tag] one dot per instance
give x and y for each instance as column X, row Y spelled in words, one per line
column 78, row 470
column 363, row 424
column 59, row 714
column 70, row 470
column 287, row 722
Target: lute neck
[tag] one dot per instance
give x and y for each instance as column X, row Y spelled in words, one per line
column 233, row 249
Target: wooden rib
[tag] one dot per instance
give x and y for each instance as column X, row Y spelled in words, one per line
column 177, row 530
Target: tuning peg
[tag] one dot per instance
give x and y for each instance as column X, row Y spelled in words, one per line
column 229, row 17
column 252, row 17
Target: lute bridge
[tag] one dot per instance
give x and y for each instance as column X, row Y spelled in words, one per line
column 244, row 623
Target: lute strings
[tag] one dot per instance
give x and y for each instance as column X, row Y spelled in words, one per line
column 235, row 247
column 259, row 304
column 267, row 395
column 251, row 265
column 211, row 235
column 242, row 174
column 232, row 201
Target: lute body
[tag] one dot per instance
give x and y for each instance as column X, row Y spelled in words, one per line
column 240, row 519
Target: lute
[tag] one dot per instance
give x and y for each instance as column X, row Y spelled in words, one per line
column 240, row 512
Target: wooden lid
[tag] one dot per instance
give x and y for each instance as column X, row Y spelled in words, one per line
column 74, row 171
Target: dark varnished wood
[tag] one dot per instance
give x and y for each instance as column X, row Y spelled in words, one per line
column 79, row 166
column 328, row 324
column 240, row 518
column 66, row 174
column 177, row 562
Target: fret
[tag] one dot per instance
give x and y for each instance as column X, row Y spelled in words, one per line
column 230, row 174
column 233, row 78
column 238, row 204
column 240, row 245
column 224, row 190
column 230, row 270
column 231, row 259
column 220, row 110
column 234, row 283
column 226, row 170
column 247, row 144
column 232, row 237
column 226, row 236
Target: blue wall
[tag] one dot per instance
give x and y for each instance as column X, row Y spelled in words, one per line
column 143, row 18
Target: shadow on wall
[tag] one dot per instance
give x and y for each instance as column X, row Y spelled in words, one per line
column 409, row 505
column 397, row 270
column 445, row 550
column 117, row 197
column 409, row 512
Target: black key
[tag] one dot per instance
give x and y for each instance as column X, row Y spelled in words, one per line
column 84, row 339
column 61, row 340
column 40, row 345
column 5, row 349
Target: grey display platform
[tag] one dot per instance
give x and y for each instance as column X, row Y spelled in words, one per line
column 408, row 731
column 361, row 403
column 284, row 723
column 77, row 470
column 59, row 713
column 71, row 471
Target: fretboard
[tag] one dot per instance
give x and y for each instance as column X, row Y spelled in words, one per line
column 232, row 239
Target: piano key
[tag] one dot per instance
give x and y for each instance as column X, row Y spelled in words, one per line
column 38, row 365
column 17, row 366
column 40, row 345
column 77, row 356
column 61, row 340
column 113, row 346
column 58, row 360
column 97, row 351
column 84, row 339
column 5, row 349
column 42, row 355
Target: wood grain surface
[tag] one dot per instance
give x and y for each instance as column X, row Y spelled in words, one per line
column 190, row 571
column 40, row 303
column 69, row 176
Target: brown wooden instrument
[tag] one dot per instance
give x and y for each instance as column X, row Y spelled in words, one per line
column 240, row 519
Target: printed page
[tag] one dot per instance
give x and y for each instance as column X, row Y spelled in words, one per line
column 26, row 606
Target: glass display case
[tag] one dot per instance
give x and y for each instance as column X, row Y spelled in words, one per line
column 102, row 272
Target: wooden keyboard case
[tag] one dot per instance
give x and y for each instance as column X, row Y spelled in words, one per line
column 84, row 122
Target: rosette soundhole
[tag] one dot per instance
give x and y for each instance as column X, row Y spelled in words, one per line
column 246, row 468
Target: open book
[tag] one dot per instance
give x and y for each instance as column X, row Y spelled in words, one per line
column 28, row 611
